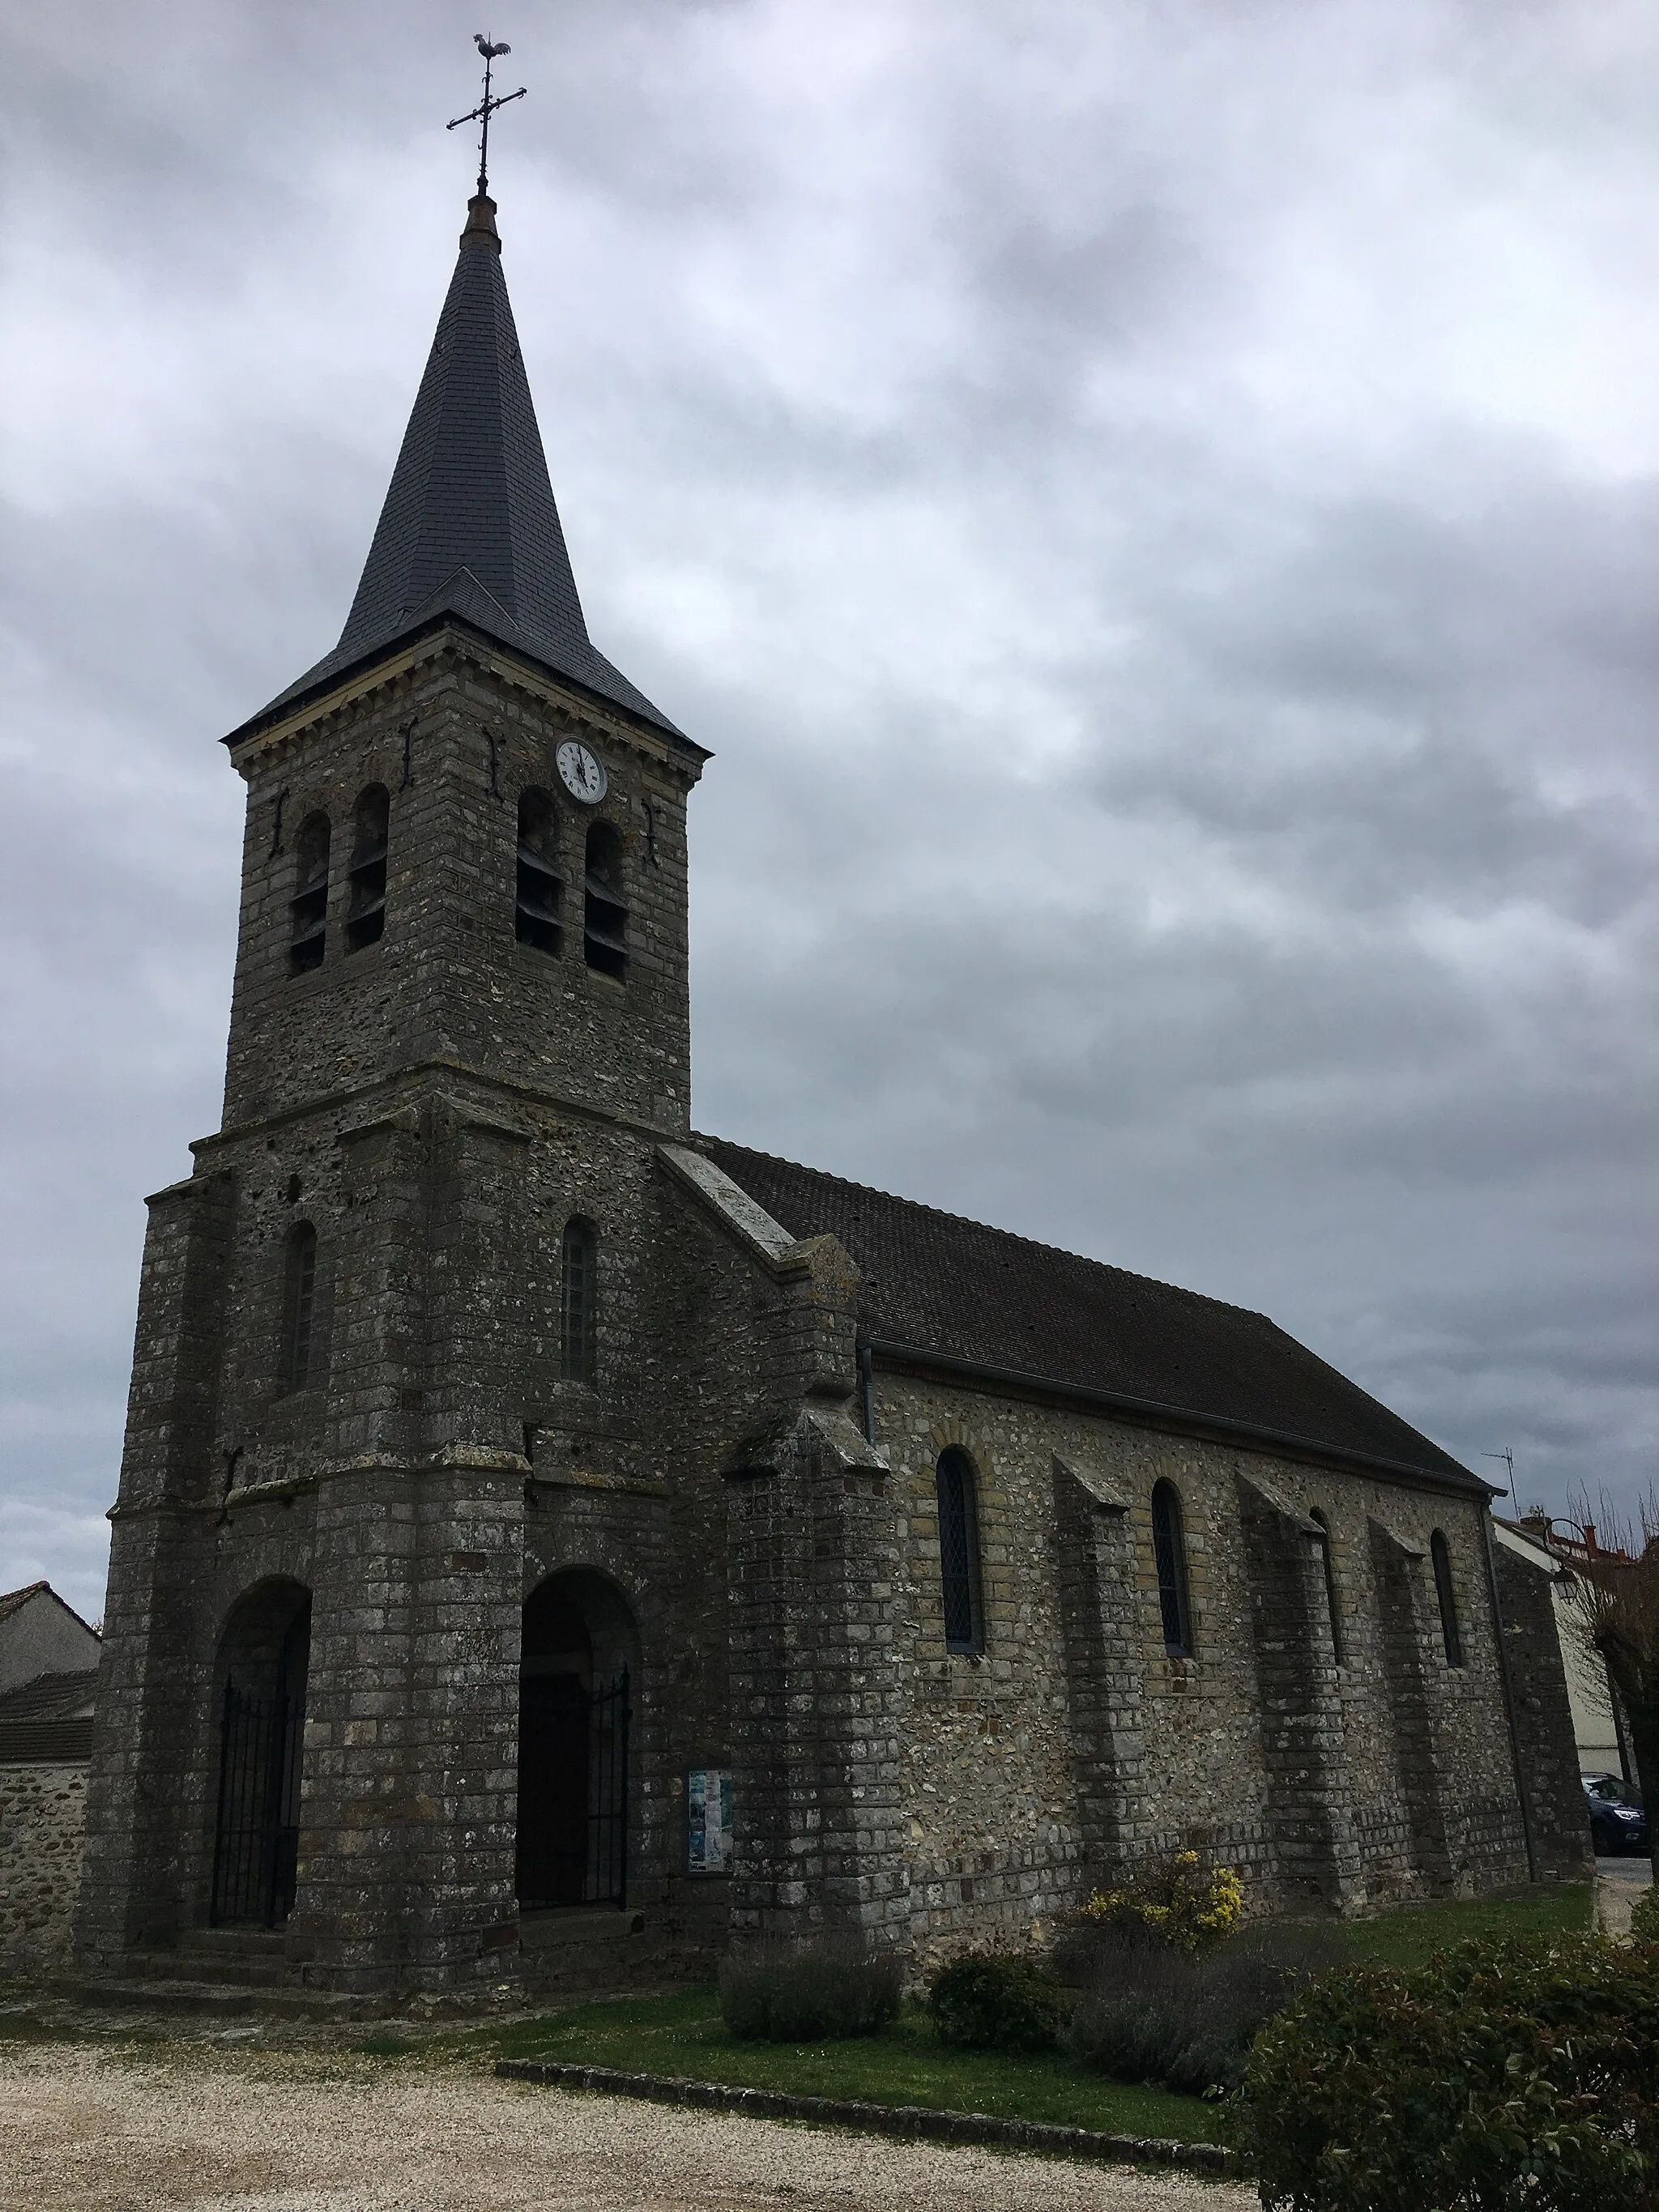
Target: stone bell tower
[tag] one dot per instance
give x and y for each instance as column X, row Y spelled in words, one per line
column 367, row 1325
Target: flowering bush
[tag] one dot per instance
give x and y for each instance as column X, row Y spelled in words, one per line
column 1189, row 1905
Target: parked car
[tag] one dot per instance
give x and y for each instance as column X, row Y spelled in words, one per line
column 1617, row 1819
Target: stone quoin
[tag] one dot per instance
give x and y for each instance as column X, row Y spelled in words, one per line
column 553, row 1546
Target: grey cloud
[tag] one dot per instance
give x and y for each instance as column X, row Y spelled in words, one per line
column 1143, row 814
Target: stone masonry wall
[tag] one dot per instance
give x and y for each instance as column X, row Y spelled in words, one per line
column 435, row 1106
column 42, row 1810
column 1025, row 1778
column 454, row 733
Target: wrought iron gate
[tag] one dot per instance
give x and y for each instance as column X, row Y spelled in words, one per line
column 256, row 1849
column 573, row 1791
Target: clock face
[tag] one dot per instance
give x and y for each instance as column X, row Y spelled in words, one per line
column 581, row 774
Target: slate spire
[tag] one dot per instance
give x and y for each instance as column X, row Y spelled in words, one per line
column 470, row 526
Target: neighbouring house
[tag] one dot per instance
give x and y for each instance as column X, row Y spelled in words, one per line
column 552, row 1542
column 48, row 1675
column 1598, row 1731
column 40, row 1634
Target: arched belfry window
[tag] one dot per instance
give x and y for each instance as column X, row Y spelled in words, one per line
column 1445, row 1591
column 604, row 904
column 1169, row 1552
column 538, row 894
column 579, row 1268
column 371, row 832
column 308, row 909
column 1321, row 1544
column 298, row 1361
column 958, row 1553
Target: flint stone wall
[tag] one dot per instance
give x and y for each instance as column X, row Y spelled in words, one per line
column 1075, row 1744
column 42, row 1813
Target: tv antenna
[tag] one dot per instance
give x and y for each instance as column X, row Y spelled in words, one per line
column 1508, row 1458
column 487, row 106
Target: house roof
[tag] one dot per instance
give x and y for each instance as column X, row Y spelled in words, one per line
column 48, row 1721
column 470, row 527
column 958, row 1290
column 13, row 1602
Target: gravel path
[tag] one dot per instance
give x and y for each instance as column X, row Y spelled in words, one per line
column 99, row 2130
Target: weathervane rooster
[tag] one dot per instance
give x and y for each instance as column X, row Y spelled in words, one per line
column 487, row 106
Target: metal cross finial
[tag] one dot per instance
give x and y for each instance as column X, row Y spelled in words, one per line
column 486, row 108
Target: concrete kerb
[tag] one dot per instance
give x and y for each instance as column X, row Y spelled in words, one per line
column 916, row 2121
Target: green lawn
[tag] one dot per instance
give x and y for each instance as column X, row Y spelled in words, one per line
column 1408, row 1938
column 905, row 2065
column 682, row 2034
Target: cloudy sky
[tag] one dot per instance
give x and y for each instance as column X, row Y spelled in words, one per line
column 1156, row 509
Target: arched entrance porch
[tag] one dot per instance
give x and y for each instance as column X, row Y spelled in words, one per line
column 580, row 1653
column 263, row 1658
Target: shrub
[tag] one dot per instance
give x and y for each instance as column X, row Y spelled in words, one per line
column 1645, row 1919
column 1497, row 2075
column 831, row 1990
column 1154, row 2014
column 998, row 2001
column 1190, row 1906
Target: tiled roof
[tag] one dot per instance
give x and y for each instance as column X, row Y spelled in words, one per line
column 12, row 1600
column 48, row 1721
column 956, row 1288
column 50, row 1697
column 470, row 526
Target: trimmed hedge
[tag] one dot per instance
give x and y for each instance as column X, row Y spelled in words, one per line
column 1499, row 2076
column 998, row 2001
column 822, row 1995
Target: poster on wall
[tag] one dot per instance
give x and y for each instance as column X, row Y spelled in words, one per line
column 708, row 1819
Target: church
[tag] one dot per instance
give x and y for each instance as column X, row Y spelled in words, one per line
column 554, row 1546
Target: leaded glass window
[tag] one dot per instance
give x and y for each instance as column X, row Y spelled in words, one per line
column 578, row 1302
column 959, row 1553
column 1451, row 1635
column 300, row 1302
column 1321, row 1544
column 1170, row 1550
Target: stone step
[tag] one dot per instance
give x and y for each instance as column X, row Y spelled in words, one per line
column 142, row 1993
column 249, row 1943
column 231, row 1969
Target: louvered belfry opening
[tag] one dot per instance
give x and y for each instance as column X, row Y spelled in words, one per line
column 371, row 836
column 605, row 906
column 538, row 893
column 263, row 1658
column 959, row 1553
column 576, row 1683
column 308, row 909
